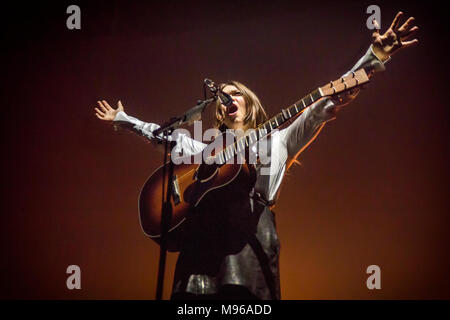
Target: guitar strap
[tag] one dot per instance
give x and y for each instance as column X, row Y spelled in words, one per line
column 263, row 180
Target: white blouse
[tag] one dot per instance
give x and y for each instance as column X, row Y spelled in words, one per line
column 285, row 144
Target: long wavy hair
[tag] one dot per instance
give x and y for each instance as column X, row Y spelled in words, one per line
column 255, row 114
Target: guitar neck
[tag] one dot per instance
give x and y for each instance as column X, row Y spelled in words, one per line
column 353, row 80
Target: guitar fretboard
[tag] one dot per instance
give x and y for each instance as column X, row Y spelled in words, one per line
column 353, row 79
column 267, row 127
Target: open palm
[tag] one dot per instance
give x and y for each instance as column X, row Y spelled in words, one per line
column 107, row 113
column 393, row 39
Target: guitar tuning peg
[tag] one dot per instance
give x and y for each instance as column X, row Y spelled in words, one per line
column 331, row 84
column 353, row 73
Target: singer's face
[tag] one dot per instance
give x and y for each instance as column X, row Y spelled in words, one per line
column 235, row 114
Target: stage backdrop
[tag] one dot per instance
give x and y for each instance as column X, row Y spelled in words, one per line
column 371, row 190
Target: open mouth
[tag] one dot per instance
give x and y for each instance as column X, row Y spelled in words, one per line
column 232, row 110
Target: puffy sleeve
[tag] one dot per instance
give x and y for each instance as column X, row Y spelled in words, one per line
column 184, row 143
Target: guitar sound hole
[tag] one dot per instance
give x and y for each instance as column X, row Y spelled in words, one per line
column 206, row 172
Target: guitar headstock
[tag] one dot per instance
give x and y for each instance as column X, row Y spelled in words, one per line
column 353, row 80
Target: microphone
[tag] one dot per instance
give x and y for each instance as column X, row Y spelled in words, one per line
column 224, row 98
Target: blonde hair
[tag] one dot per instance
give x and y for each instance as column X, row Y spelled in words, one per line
column 255, row 114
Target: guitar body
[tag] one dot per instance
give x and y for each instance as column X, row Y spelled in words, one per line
column 191, row 184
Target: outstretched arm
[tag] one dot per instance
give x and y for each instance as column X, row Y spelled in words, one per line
column 306, row 127
column 121, row 120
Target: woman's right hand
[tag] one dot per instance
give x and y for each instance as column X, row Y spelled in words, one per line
column 105, row 112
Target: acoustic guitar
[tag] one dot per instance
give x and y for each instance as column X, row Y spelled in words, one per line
column 224, row 171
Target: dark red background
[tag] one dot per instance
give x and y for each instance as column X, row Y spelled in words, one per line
column 372, row 189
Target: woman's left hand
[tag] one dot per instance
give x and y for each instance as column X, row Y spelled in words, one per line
column 394, row 38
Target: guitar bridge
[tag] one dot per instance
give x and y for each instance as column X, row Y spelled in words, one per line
column 176, row 190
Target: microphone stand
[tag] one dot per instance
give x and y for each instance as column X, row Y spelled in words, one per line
column 166, row 212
